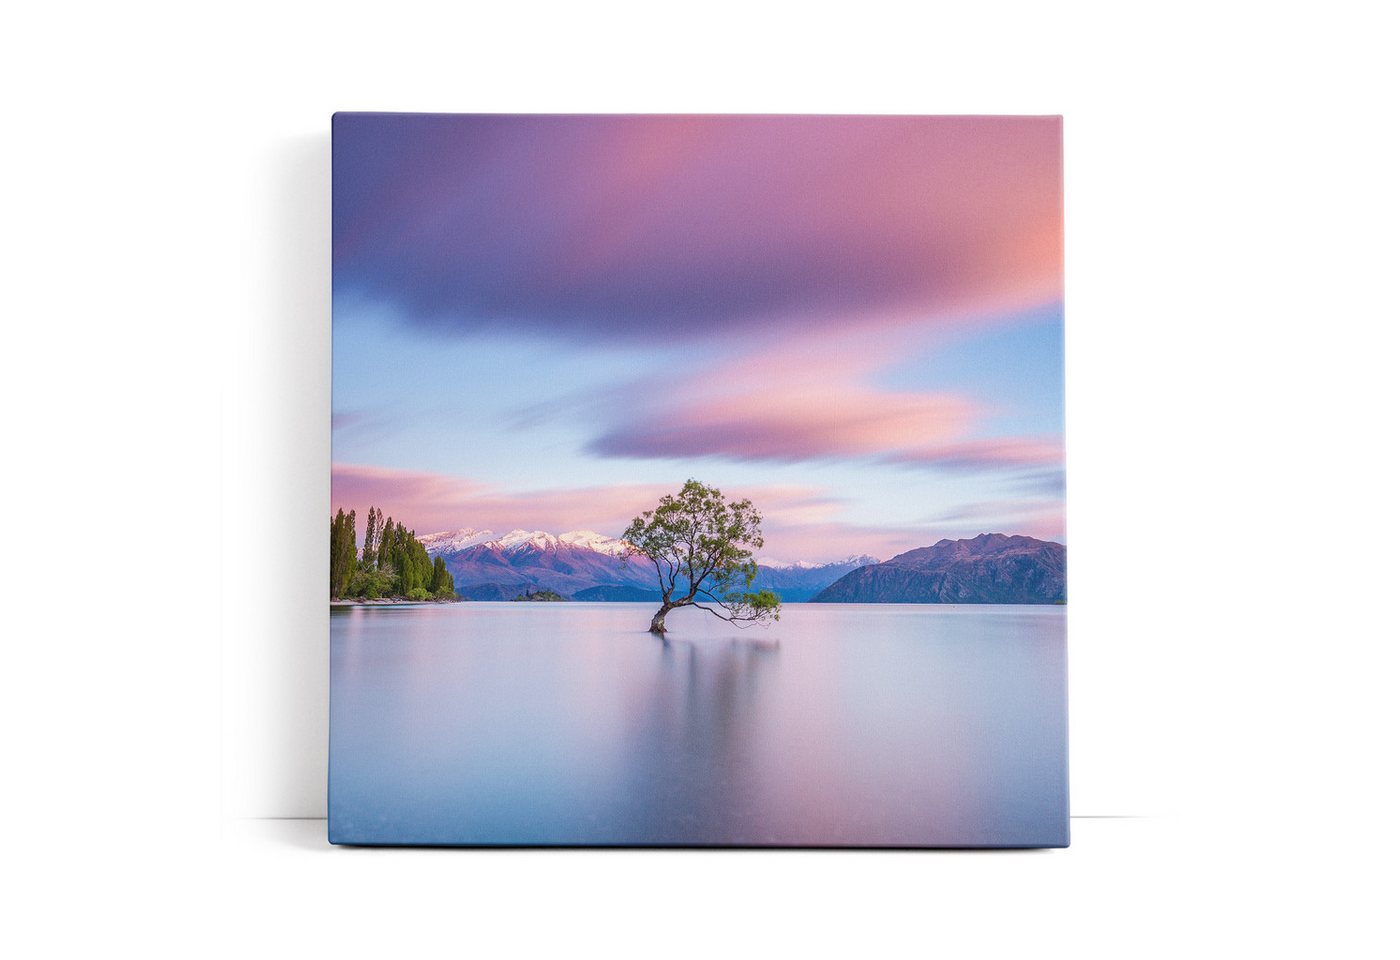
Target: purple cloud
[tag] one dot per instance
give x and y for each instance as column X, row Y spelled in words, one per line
column 644, row 228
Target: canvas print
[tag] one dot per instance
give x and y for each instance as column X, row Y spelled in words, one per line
column 698, row 481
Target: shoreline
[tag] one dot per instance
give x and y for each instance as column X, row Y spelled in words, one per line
column 387, row 601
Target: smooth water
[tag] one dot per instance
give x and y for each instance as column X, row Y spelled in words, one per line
column 567, row 723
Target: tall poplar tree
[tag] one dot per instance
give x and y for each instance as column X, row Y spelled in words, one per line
column 372, row 531
column 383, row 557
column 342, row 552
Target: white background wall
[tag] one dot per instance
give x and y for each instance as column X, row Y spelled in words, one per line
column 1231, row 351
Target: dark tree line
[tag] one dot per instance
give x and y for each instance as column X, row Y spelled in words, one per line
column 391, row 563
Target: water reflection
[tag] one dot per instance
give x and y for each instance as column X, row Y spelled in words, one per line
column 512, row 723
column 698, row 719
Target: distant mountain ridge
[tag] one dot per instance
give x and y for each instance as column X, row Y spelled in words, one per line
column 801, row 581
column 990, row 568
column 585, row 565
column 454, row 540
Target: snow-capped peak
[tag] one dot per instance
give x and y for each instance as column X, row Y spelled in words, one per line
column 596, row 542
column 516, row 539
column 855, row 560
column 449, row 541
column 577, row 539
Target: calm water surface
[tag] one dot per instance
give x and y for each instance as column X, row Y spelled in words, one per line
column 567, row 723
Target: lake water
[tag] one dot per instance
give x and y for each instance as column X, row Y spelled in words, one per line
column 567, row 723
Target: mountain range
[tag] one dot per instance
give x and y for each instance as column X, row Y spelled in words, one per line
column 991, row 568
column 584, row 565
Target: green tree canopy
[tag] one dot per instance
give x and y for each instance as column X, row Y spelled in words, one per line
column 392, row 563
column 441, row 585
column 342, row 552
column 702, row 547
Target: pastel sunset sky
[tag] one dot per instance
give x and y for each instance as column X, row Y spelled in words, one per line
column 548, row 321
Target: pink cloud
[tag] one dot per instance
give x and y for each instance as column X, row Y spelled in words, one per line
column 617, row 228
column 428, row 502
column 813, row 401
column 841, row 421
column 800, row 523
column 986, row 453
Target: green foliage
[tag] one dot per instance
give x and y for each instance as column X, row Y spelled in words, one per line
column 392, row 563
column 702, row 546
column 441, row 584
column 371, row 582
column 757, row 605
column 382, row 549
column 342, row 553
column 374, row 524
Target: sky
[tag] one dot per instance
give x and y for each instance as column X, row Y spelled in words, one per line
column 547, row 322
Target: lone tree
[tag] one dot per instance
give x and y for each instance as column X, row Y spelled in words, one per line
column 702, row 547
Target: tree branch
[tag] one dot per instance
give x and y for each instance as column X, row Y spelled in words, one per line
column 739, row 620
column 665, row 594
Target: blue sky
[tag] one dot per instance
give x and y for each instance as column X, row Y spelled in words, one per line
column 524, row 341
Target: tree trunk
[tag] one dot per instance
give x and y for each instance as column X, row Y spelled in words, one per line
column 658, row 622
